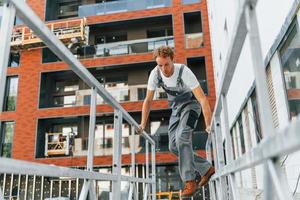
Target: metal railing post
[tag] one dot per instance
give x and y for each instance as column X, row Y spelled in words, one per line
column 89, row 184
column 216, row 162
column 153, row 160
column 132, row 169
column 228, row 148
column 147, row 168
column 117, row 156
column 1, row 195
column 7, row 24
column 263, row 99
column 209, row 158
column 220, row 153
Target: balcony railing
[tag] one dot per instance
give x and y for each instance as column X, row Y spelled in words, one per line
column 120, row 6
column 124, row 48
column 190, row 1
column 121, row 94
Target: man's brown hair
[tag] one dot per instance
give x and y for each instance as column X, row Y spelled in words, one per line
column 164, row 51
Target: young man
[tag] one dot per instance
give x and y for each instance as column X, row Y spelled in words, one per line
column 184, row 95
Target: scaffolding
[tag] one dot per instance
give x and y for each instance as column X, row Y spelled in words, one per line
column 48, row 37
column 24, row 38
column 274, row 144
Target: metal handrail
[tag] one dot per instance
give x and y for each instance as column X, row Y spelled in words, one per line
column 273, row 145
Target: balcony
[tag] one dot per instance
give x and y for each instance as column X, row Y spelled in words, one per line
column 120, row 6
column 131, row 47
column 123, row 48
column 126, row 83
column 184, row 2
column 60, row 137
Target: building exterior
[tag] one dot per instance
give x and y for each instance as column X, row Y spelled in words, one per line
column 46, row 106
column 278, row 23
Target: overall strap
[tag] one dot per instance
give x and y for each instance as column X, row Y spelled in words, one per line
column 160, row 81
column 179, row 80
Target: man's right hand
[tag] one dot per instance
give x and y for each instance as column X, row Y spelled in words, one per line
column 140, row 130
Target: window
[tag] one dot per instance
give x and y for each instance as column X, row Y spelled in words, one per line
column 256, row 117
column 14, row 59
column 192, row 22
column 142, row 93
column 103, row 39
column 198, row 67
column 294, row 108
column 290, row 59
column 48, row 56
column 241, row 131
column 11, row 94
column 61, row 9
column 159, row 33
column 193, row 30
column 64, row 94
column 6, row 137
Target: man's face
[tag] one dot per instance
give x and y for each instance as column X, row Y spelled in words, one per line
column 166, row 65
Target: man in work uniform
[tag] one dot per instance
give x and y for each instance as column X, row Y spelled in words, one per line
column 184, row 95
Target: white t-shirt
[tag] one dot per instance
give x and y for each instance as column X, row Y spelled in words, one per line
column 188, row 78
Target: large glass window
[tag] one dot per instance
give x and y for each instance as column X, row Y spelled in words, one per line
column 193, row 30
column 290, row 59
column 11, row 94
column 6, row 137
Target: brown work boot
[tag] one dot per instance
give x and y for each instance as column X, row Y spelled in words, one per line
column 206, row 177
column 189, row 188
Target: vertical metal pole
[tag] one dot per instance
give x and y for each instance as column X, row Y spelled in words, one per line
column 59, row 188
column 92, row 126
column 217, row 189
column 145, row 197
column 117, row 145
column 88, row 184
column 51, row 188
column 153, row 160
column 3, row 185
column 7, row 24
column 1, row 194
column 84, row 190
column 77, row 187
column 261, row 89
column 19, row 184
column 11, row 184
column 42, row 187
column 220, row 154
column 209, row 158
column 147, row 167
column 26, row 187
column 70, row 188
column 132, row 169
column 228, row 149
column 33, row 187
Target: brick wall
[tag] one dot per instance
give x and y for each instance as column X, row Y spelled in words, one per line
column 27, row 113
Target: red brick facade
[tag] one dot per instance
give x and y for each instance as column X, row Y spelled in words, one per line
column 29, row 72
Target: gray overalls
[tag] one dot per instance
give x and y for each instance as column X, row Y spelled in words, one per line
column 185, row 113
